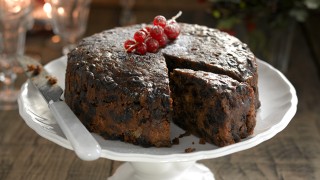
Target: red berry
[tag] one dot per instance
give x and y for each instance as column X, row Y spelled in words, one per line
column 156, row 32
column 140, row 36
column 146, row 29
column 152, row 45
column 141, row 49
column 160, row 21
column 163, row 41
column 172, row 21
column 172, row 30
column 129, row 45
column 151, row 38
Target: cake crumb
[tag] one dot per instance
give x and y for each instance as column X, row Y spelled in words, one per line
column 189, row 150
column 175, row 141
column 52, row 80
column 202, row 141
column 35, row 69
column 184, row 134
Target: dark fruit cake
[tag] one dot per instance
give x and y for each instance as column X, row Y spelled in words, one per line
column 124, row 93
column 214, row 107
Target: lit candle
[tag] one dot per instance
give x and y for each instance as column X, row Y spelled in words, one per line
column 47, row 9
column 60, row 10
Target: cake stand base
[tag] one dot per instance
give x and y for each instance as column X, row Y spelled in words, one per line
column 162, row 171
column 173, row 163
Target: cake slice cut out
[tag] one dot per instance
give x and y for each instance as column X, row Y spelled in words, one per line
column 211, row 106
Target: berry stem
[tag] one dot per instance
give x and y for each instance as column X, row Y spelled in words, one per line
column 151, row 38
column 132, row 46
column 176, row 16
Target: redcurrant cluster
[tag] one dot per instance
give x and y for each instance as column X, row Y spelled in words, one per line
column 151, row 38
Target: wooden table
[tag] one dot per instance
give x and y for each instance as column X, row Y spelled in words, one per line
column 292, row 154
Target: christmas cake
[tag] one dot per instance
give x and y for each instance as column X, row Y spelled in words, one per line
column 126, row 96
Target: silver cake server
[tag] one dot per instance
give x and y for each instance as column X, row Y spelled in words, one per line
column 83, row 143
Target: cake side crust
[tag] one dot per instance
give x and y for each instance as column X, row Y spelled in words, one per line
column 119, row 95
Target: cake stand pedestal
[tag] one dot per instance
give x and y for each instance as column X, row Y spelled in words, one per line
column 189, row 170
column 278, row 106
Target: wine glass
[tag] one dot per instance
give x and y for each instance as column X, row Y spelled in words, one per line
column 69, row 20
column 15, row 20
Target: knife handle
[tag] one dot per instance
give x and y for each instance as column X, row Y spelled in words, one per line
column 83, row 143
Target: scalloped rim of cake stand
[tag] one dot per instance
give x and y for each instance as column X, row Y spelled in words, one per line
column 37, row 116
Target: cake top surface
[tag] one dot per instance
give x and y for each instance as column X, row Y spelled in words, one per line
column 103, row 54
column 211, row 46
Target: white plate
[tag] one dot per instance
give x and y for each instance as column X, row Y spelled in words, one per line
column 278, row 106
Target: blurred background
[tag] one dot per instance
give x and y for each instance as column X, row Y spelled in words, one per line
column 267, row 27
column 284, row 33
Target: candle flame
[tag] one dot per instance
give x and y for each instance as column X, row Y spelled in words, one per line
column 47, row 9
column 60, row 10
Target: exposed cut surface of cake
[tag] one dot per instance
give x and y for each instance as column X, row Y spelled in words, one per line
column 125, row 96
column 214, row 107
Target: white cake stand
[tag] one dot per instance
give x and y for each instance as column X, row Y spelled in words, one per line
column 278, row 106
